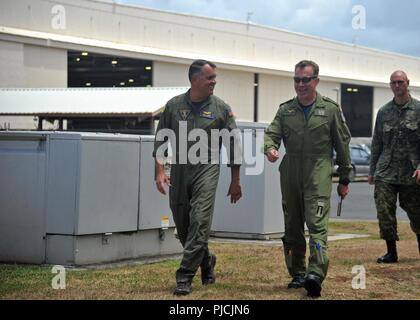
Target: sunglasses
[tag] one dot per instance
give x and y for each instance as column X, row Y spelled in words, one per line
column 304, row 79
column 399, row 82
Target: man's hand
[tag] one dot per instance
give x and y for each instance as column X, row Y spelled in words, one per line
column 343, row 190
column 162, row 180
column 235, row 191
column 417, row 176
column 371, row 180
column 272, row 155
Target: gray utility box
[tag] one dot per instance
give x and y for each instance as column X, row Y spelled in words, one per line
column 81, row 198
column 258, row 215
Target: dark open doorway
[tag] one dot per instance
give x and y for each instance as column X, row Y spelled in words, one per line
column 357, row 105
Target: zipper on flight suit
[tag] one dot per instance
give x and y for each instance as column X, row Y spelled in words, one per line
column 305, row 131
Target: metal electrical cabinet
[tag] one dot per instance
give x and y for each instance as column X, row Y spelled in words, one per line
column 258, row 214
column 80, row 198
column 22, row 198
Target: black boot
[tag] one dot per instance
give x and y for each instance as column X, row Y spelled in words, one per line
column 418, row 241
column 296, row 283
column 313, row 285
column 183, row 288
column 391, row 256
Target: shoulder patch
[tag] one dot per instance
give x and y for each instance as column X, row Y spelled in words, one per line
column 229, row 111
column 330, row 100
column 287, row 102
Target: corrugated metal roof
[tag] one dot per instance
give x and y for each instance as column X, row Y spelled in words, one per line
column 86, row 101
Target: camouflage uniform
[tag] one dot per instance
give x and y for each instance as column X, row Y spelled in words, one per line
column 395, row 156
column 193, row 186
column 305, row 177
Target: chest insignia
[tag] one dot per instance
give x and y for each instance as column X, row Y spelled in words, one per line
column 207, row 114
column 319, row 112
column 290, row 112
column 184, row 113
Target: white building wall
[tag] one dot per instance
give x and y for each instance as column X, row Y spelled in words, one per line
column 18, row 123
column 28, row 66
column 45, row 67
column 329, row 89
column 170, row 74
column 166, row 35
column 11, row 65
column 272, row 91
column 237, row 89
column 415, row 93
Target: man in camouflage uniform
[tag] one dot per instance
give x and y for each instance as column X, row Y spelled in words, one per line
column 310, row 126
column 395, row 163
column 193, row 185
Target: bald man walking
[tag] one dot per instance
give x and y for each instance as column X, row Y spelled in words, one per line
column 395, row 163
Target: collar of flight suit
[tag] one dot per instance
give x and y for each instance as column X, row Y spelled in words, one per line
column 319, row 103
column 189, row 102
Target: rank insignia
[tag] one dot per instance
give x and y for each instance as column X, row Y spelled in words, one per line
column 207, row 114
column 320, row 209
column 290, row 112
column 319, row 112
column 184, row 113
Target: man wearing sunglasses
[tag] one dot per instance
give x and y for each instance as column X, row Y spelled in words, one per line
column 395, row 164
column 310, row 126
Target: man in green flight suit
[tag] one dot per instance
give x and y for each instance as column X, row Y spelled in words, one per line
column 195, row 173
column 311, row 126
column 395, row 164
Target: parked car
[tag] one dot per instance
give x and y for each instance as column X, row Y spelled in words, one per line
column 360, row 158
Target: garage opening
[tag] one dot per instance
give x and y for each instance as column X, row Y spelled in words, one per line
column 357, row 105
column 87, row 69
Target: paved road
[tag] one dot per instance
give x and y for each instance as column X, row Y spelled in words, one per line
column 359, row 204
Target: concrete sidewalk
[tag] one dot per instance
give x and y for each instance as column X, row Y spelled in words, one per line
column 278, row 242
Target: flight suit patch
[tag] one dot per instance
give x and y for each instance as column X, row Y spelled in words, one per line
column 290, row 112
column 207, row 114
column 318, row 253
column 319, row 112
column 320, row 209
column 184, row 113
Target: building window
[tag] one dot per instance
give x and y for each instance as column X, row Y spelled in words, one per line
column 357, row 105
column 87, row 69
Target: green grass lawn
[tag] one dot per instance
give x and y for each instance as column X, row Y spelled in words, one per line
column 244, row 271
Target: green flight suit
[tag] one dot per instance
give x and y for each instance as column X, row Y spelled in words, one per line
column 193, row 185
column 395, row 155
column 305, row 177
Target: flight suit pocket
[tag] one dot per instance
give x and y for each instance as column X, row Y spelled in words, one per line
column 178, row 190
column 208, row 124
column 412, row 132
column 387, row 133
column 319, row 129
column 319, row 122
column 382, row 164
